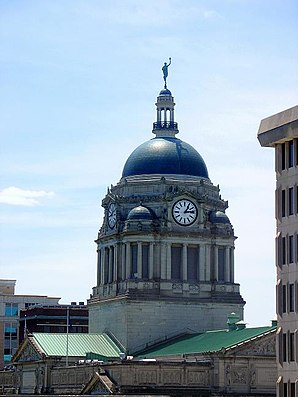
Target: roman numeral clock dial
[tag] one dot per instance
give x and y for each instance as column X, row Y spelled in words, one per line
column 112, row 215
column 184, row 212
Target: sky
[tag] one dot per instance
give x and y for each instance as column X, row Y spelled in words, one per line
column 79, row 81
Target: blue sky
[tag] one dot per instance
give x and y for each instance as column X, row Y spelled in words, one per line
column 79, row 80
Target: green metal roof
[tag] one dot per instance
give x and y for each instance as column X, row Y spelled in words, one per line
column 78, row 344
column 210, row 341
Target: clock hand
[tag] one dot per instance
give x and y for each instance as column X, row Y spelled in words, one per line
column 186, row 211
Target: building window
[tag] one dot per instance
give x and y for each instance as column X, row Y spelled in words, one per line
column 10, row 340
column 284, row 347
column 285, row 394
column 192, row 263
column 221, row 264
column 11, row 309
column 291, row 201
column 283, row 156
column 291, row 249
column 283, row 251
column 145, row 261
column 283, row 203
column 284, row 298
column 291, row 154
column 291, row 298
column 292, row 391
column 134, row 260
column 176, row 262
column 291, row 347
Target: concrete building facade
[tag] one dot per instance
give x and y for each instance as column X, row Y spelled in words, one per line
column 166, row 246
column 10, row 306
column 280, row 131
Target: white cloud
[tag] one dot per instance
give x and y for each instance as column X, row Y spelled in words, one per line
column 16, row 196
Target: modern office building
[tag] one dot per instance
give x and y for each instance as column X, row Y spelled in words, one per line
column 54, row 319
column 10, row 306
column 166, row 246
column 280, row 132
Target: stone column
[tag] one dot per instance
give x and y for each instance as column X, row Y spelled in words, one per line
column 127, row 265
column 98, row 267
column 232, row 264
column 139, row 263
column 151, row 260
column 102, row 258
column 215, row 258
column 227, row 265
column 184, row 262
column 123, row 261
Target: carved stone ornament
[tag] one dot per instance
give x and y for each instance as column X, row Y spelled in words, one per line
column 29, row 354
column 260, row 348
column 236, row 375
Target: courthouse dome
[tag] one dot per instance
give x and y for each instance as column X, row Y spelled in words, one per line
column 165, row 155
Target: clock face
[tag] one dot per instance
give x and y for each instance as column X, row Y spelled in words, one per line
column 184, row 212
column 112, row 216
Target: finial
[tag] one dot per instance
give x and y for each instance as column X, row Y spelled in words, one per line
column 165, row 71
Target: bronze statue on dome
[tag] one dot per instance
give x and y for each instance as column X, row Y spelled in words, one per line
column 165, row 71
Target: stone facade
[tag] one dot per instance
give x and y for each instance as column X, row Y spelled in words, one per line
column 245, row 369
column 280, row 131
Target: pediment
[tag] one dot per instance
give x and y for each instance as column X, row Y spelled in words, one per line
column 264, row 345
column 27, row 352
column 99, row 384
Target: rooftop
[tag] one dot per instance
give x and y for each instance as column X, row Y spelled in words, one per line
column 78, row 345
column 207, row 342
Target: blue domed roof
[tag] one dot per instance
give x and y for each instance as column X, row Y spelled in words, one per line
column 165, row 92
column 218, row 217
column 165, row 155
column 140, row 212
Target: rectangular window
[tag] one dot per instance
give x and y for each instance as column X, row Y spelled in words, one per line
column 176, row 262
column 283, row 203
column 145, row 261
column 284, row 347
column 283, row 156
column 284, row 298
column 291, row 154
column 291, row 201
column 192, row 263
column 134, row 260
column 292, row 390
column 221, row 264
column 283, row 251
column 291, row 297
column 11, row 309
column 10, row 339
column 291, row 249
column 291, row 347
